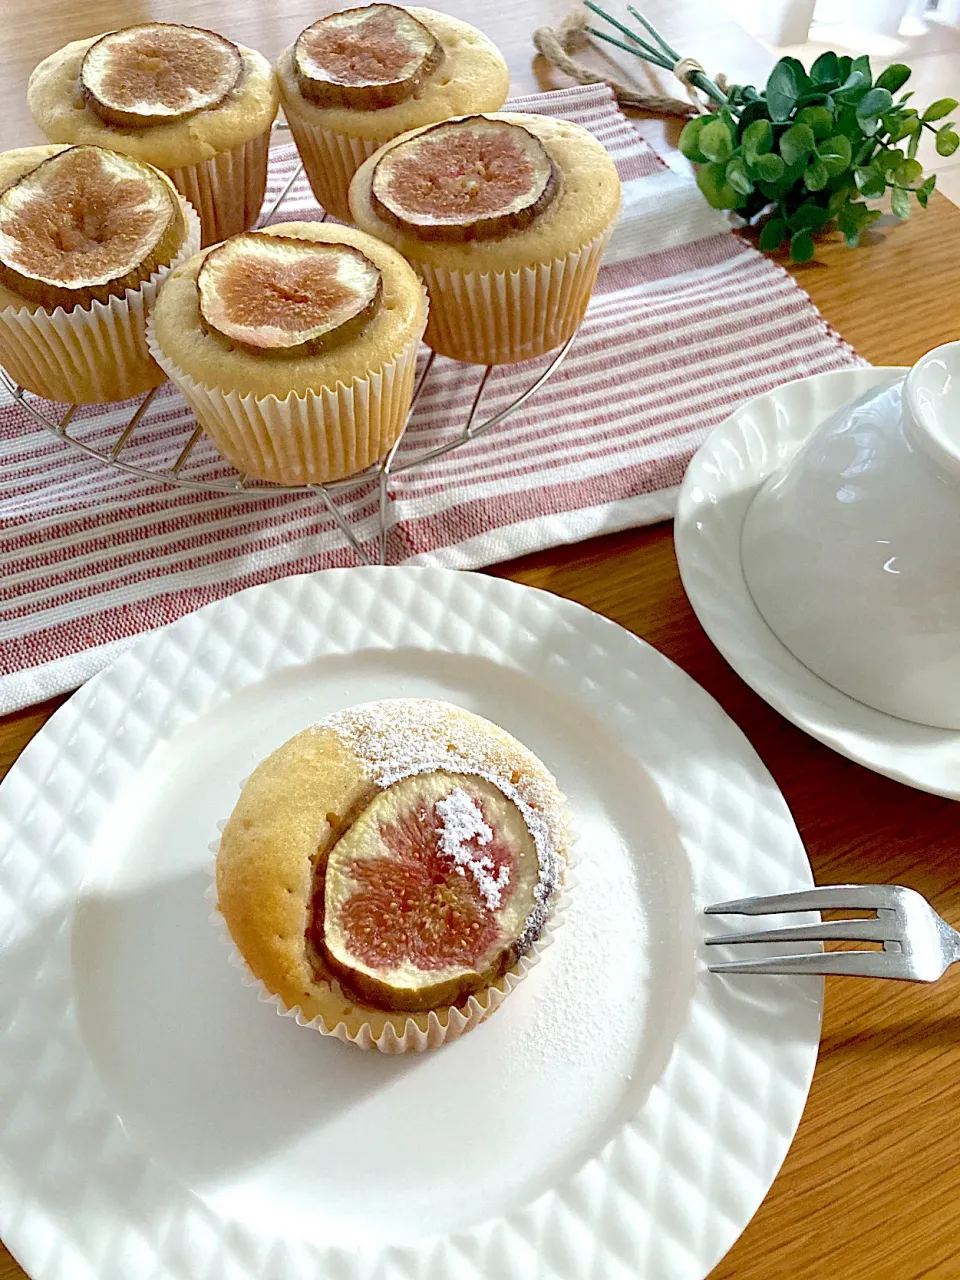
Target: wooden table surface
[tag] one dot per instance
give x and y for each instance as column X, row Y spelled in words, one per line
column 871, row 1187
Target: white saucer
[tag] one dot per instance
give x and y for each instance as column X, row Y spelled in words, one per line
column 717, row 489
column 623, row 1115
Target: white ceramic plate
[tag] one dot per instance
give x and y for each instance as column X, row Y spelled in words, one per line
column 622, row 1115
column 722, row 478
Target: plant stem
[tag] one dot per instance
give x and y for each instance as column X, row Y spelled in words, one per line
column 702, row 81
column 665, row 56
column 654, row 54
column 707, row 86
column 670, row 52
column 621, row 44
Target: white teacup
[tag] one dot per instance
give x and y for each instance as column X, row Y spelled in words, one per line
column 851, row 550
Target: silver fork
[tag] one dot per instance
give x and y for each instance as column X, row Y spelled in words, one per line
column 918, row 945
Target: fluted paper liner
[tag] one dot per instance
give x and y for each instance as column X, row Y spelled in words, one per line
column 227, row 190
column 90, row 355
column 398, row 1032
column 310, row 439
column 330, row 160
column 505, row 316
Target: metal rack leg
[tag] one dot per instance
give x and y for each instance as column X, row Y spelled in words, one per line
column 343, row 524
column 241, row 485
column 384, row 485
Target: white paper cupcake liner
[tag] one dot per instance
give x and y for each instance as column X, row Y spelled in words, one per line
column 505, row 316
column 397, row 1032
column 330, row 160
column 90, row 355
column 310, row 439
column 227, row 190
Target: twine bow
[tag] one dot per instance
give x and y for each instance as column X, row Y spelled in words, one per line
column 684, row 70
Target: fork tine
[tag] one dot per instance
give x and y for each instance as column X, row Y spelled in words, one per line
column 828, row 897
column 854, row 964
column 875, row 929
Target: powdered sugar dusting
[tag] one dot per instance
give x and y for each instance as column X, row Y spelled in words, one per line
column 400, row 737
column 462, row 822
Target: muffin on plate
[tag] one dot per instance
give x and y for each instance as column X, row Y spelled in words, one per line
column 86, row 237
column 357, row 78
column 295, row 346
column 181, row 98
column 388, row 875
column 505, row 217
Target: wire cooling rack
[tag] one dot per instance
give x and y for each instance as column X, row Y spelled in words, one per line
column 158, row 439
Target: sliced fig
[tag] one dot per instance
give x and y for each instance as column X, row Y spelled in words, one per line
column 427, row 894
column 157, row 72
column 85, row 225
column 366, row 59
column 277, row 295
column 469, row 179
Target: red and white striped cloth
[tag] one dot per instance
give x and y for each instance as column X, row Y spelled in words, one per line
column 686, row 321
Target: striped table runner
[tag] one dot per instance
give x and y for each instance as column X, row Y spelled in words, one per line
column 686, row 321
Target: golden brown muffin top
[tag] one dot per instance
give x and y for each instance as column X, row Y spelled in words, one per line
column 212, row 360
column 56, row 104
column 472, row 77
column 585, row 206
column 13, row 166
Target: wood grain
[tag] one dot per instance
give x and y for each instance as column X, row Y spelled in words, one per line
column 870, row 1187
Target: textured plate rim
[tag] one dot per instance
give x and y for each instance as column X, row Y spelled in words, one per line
column 727, row 1189
column 735, row 459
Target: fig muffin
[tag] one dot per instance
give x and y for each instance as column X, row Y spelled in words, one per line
column 181, row 98
column 86, row 237
column 359, row 77
column 389, row 873
column 295, row 346
column 505, row 217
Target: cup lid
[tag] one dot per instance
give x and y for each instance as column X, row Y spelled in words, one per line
column 932, row 401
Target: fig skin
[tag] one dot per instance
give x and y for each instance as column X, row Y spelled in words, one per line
column 488, row 228
column 51, row 295
column 369, row 96
column 309, row 346
column 408, row 1000
column 123, row 118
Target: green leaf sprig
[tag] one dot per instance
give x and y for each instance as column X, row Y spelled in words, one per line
column 809, row 149
column 812, row 148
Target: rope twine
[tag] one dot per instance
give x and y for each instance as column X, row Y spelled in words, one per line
column 559, row 44
column 685, row 70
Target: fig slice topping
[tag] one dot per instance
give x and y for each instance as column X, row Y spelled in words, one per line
column 470, row 179
column 427, row 894
column 157, row 72
column 366, row 58
column 277, row 295
column 85, row 225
